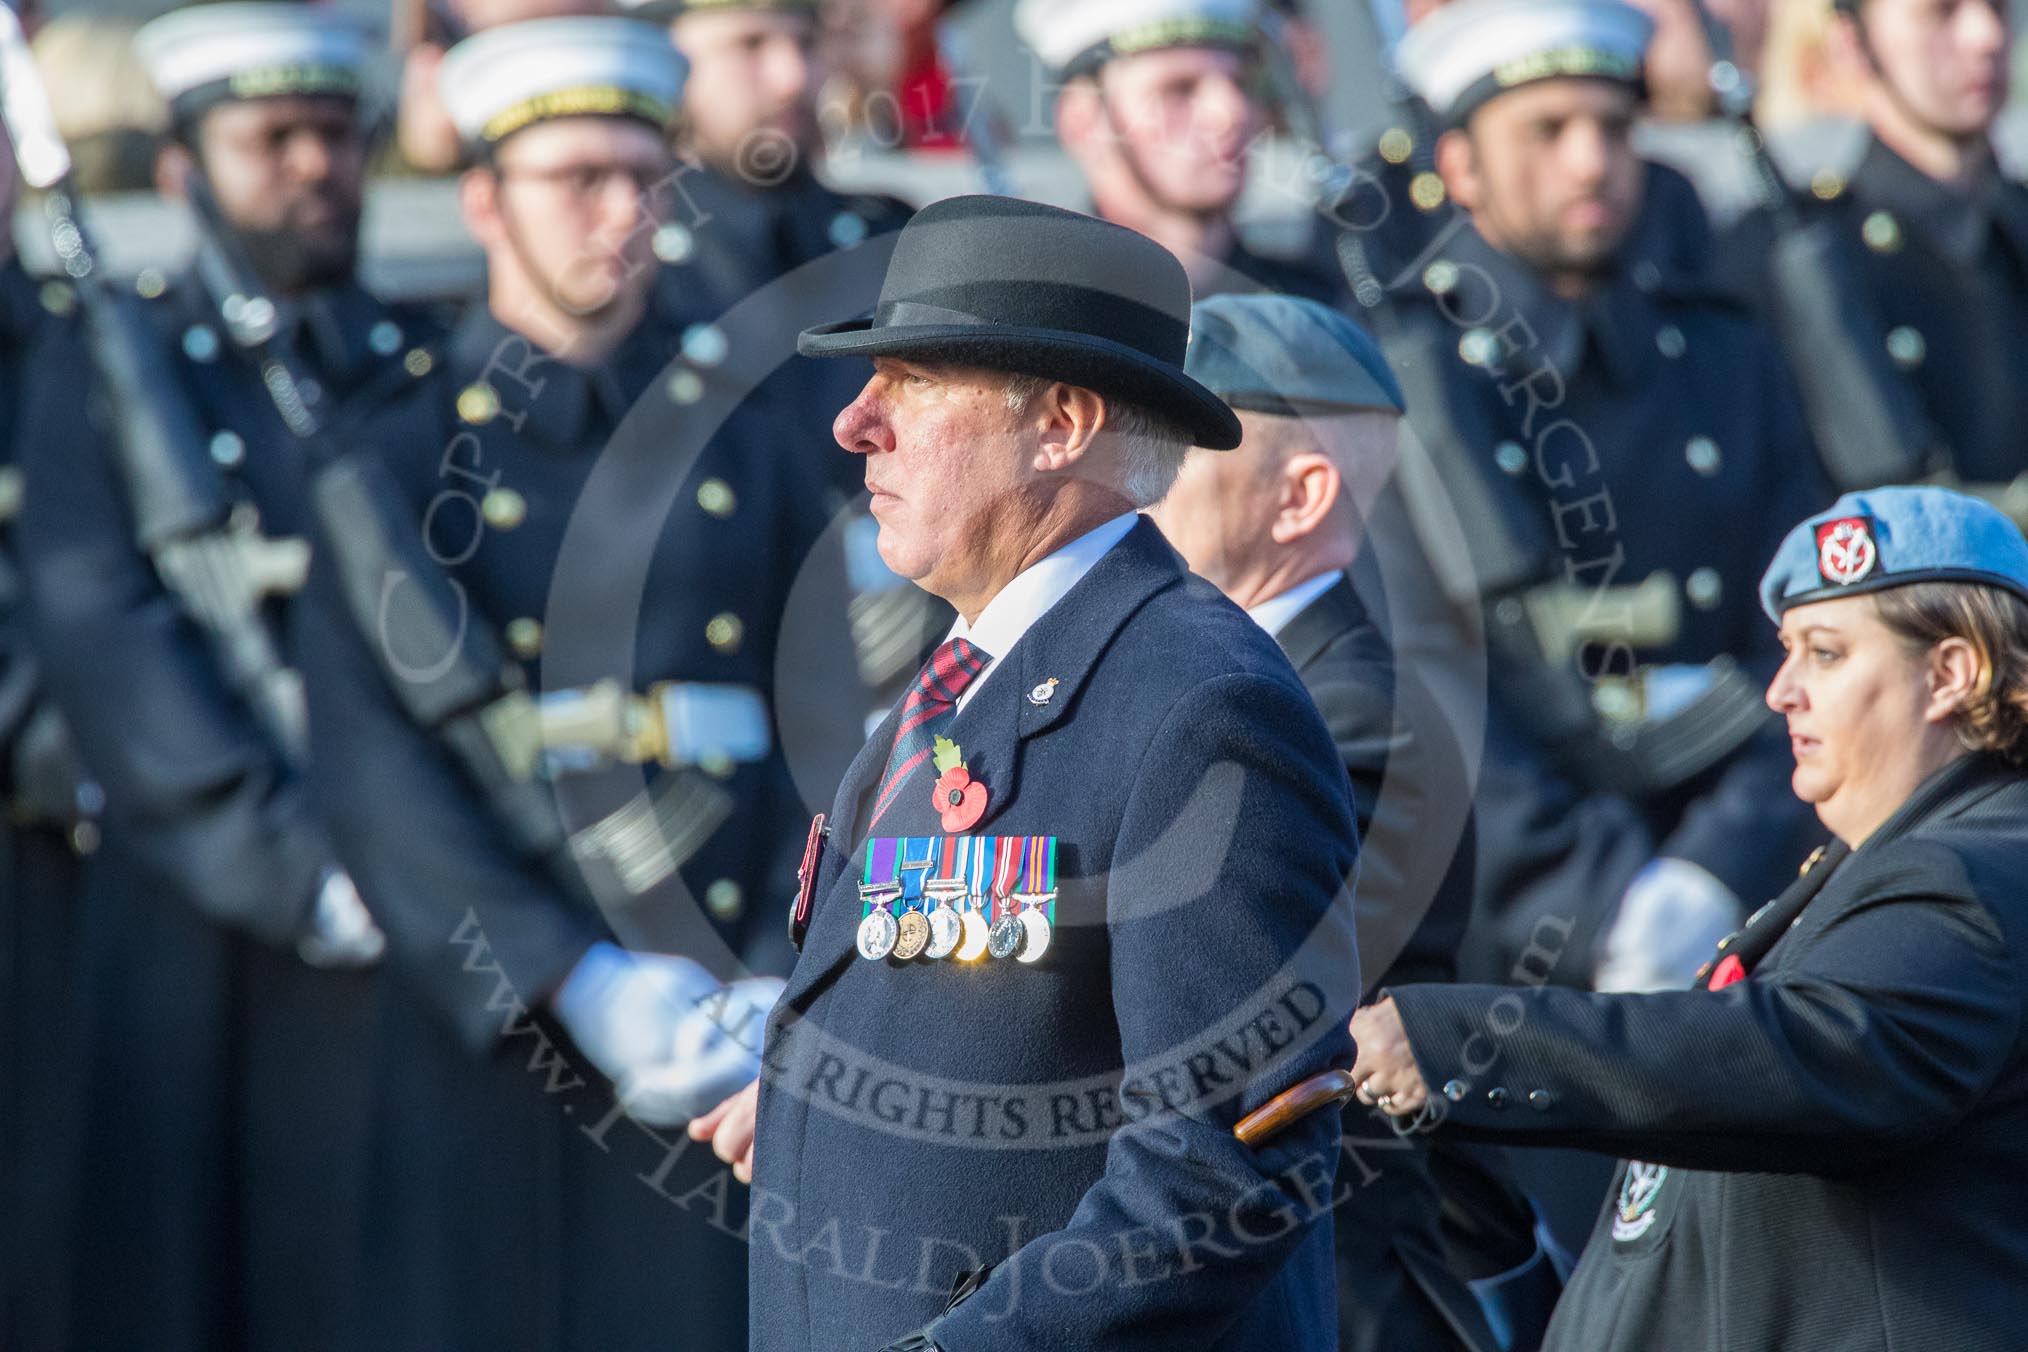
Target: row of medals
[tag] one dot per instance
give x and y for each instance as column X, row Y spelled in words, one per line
column 949, row 930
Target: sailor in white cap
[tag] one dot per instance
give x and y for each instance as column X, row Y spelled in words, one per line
column 576, row 435
column 216, row 1057
column 1564, row 313
column 1159, row 104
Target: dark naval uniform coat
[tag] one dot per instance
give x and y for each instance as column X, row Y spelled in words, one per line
column 510, row 1204
column 1650, row 432
column 39, row 873
column 1399, row 1283
column 224, row 1079
column 1830, row 1151
column 1069, row 1121
column 1946, row 272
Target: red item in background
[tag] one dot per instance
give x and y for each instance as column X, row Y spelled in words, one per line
column 931, row 116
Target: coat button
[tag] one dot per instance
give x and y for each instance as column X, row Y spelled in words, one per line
column 418, row 362
column 717, row 499
column 1441, row 277
column 686, row 387
column 200, row 343
column 227, row 449
column 58, row 298
column 503, row 508
column 1669, row 341
column 847, row 228
column 1479, row 347
column 1906, row 346
column 1881, row 232
column 1426, row 190
column 674, row 243
column 705, row 344
column 724, row 632
column 725, row 899
column 1540, row 1099
column 1395, row 145
column 1705, row 588
column 1511, row 458
column 524, row 636
column 478, row 404
column 1646, row 275
column 1827, row 185
column 1454, row 1090
column 1701, row 454
column 149, row 283
column 384, row 338
column 1496, row 1098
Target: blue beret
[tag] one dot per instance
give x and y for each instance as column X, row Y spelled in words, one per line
column 1281, row 354
column 1890, row 537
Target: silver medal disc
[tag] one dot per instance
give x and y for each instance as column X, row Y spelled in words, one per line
column 946, row 930
column 1005, row 939
column 877, row 933
column 1035, row 929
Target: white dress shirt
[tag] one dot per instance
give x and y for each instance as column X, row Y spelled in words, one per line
column 1032, row 593
column 1275, row 613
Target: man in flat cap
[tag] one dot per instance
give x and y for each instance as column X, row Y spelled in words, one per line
column 1603, row 426
column 216, row 1056
column 609, row 528
column 1287, row 526
column 1082, row 900
column 1159, row 103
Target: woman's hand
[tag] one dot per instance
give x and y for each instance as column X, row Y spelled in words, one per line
column 1385, row 1071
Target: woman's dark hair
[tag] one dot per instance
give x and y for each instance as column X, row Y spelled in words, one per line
column 1994, row 717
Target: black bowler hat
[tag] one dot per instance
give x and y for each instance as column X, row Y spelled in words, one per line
column 1035, row 290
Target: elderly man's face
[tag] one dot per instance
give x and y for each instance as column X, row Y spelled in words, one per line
column 945, row 458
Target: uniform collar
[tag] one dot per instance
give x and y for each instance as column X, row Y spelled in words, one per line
column 1277, row 613
column 564, row 405
column 1958, row 224
column 1614, row 327
column 1035, row 591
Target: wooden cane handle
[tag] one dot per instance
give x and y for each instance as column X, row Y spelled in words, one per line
column 1322, row 1090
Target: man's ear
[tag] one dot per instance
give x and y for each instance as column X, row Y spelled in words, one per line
column 1311, row 486
column 1457, row 164
column 1081, row 122
column 1071, row 417
column 173, row 165
column 479, row 200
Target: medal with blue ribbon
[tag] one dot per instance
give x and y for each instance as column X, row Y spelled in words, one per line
column 912, row 931
column 972, row 919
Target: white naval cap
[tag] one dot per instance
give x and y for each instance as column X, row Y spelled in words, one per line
column 502, row 79
column 1076, row 37
column 1469, row 51
column 207, row 54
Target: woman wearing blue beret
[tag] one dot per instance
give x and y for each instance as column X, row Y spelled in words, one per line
column 1828, row 1134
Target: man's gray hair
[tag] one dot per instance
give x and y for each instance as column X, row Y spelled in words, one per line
column 1154, row 444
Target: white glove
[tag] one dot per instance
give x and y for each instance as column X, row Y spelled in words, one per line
column 622, row 1008
column 342, row 932
column 716, row 1054
column 1670, row 920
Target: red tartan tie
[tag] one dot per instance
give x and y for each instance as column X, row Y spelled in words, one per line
column 952, row 667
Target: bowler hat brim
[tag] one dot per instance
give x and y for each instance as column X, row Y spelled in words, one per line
column 1094, row 363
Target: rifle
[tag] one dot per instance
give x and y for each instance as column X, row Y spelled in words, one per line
column 1865, row 416
column 206, row 547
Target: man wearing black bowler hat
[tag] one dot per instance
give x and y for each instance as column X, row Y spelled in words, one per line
column 1115, row 778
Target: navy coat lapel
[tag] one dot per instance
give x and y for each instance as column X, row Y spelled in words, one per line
column 1065, row 644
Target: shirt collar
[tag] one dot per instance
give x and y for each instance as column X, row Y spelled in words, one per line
column 1275, row 613
column 1037, row 588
